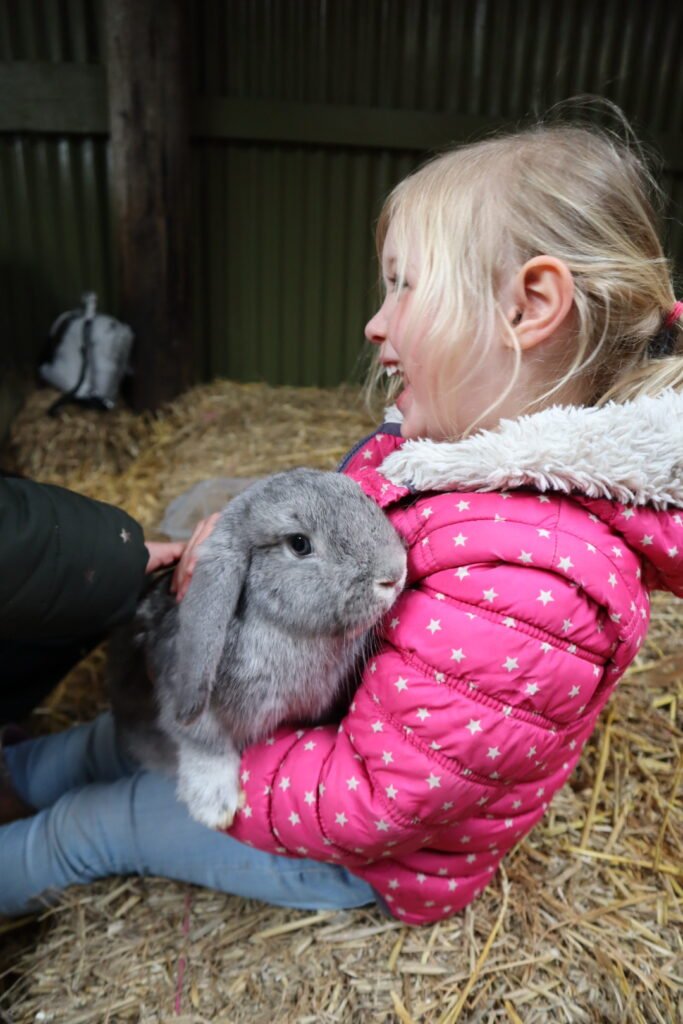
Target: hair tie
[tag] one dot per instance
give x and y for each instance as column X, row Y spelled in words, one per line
column 674, row 315
column 663, row 344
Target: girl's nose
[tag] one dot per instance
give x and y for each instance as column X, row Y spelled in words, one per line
column 375, row 328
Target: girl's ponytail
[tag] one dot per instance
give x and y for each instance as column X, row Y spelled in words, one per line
column 661, row 365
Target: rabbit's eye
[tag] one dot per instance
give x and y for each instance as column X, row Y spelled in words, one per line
column 299, row 544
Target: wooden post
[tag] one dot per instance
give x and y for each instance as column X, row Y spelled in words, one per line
column 148, row 81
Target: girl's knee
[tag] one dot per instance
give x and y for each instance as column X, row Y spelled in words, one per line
column 91, row 831
column 105, row 757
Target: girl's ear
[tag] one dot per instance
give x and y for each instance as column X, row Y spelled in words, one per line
column 543, row 296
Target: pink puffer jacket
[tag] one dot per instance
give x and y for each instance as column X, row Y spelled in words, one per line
column 522, row 609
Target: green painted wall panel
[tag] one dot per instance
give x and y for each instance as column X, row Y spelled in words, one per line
column 285, row 282
column 55, row 240
column 51, row 30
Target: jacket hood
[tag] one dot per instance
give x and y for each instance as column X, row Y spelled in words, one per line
column 630, row 453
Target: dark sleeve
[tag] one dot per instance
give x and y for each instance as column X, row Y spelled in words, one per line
column 69, row 566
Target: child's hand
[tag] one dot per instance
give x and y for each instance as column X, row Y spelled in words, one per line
column 162, row 553
column 188, row 560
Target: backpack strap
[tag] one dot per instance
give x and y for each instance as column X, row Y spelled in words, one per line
column 70, row 396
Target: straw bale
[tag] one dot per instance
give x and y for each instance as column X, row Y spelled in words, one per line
column 583, row 925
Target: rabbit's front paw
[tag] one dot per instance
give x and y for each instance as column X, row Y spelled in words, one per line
column 230, row 814
column 215, row 806
column 209, row 786
column 220, row 814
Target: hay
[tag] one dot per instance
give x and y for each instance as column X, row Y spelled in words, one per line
column 222, row 429
column 583, row 924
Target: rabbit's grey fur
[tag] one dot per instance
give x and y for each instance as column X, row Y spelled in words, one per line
column 263, row 635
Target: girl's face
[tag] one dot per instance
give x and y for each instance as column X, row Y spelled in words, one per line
column 388, row 329
column 467, row 387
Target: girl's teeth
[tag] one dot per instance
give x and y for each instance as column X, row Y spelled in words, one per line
column 392, row 370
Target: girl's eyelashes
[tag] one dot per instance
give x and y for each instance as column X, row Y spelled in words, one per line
column 391, row 283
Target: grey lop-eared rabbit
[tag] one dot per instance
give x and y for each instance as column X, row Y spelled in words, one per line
column 279, row 614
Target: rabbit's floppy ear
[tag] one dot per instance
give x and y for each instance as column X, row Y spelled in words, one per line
column 206, row 611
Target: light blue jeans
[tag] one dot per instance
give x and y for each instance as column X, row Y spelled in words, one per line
column 101, row 814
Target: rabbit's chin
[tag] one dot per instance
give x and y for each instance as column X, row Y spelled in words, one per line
column 370, row 621
column 356, row 631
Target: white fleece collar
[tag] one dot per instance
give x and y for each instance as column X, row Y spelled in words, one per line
column 631, row 452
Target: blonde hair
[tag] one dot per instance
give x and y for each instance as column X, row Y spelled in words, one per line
column 578, row 193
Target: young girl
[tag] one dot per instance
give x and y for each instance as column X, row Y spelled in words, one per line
column 534, row 468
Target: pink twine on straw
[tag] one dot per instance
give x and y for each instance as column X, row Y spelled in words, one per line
column 182, row 960
column 674, row 315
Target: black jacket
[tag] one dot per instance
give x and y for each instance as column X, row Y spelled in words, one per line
column 70, row 566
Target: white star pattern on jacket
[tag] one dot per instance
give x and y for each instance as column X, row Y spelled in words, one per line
column 434, row 716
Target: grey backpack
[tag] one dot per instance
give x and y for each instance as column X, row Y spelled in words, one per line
column 89, row 356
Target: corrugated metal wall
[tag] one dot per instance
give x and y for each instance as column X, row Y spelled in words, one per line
column 307, row 112
column 55, row 230
column 486, row 57
column 293, row 226
column 285, row 257
column 50, row 30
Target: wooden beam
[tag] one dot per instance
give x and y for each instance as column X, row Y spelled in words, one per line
column 67, row 99
column 321, row 124
column 148, row 85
